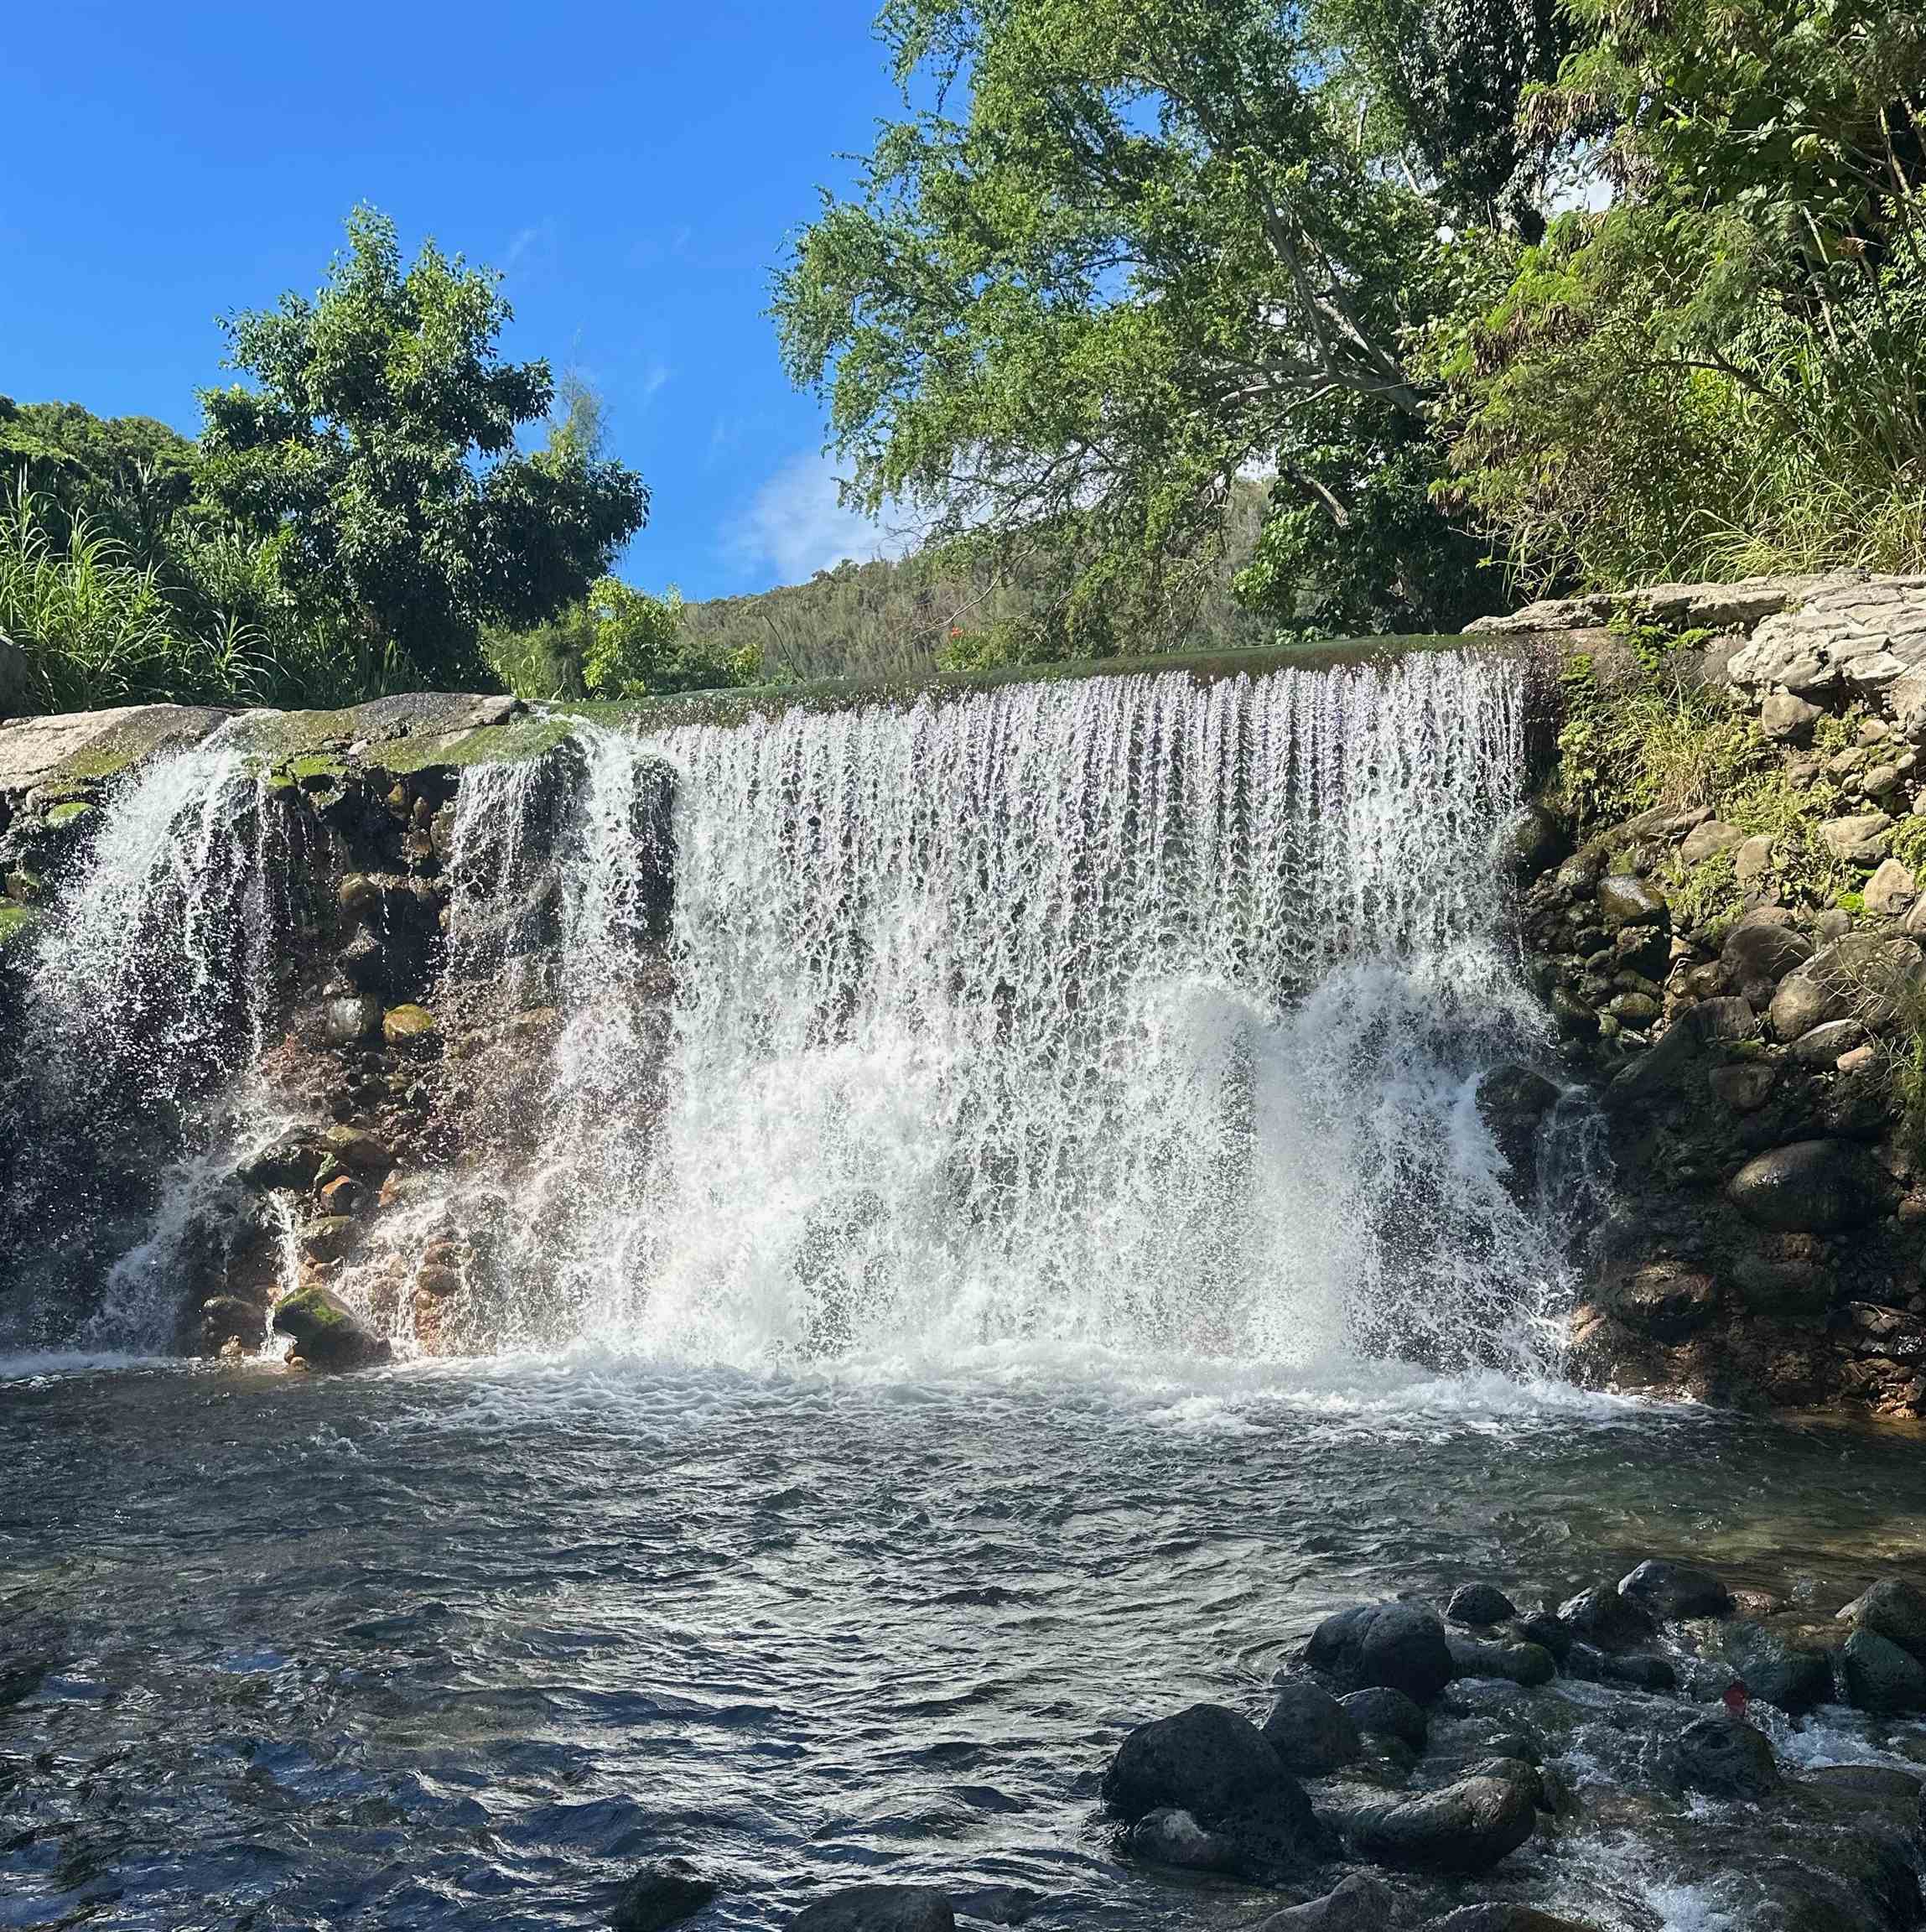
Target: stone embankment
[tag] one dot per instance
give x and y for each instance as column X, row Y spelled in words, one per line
column 1736, row 966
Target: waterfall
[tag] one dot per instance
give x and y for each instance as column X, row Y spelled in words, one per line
column 150, row 996
column 1125, row 1013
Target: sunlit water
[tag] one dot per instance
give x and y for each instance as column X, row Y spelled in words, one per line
column 459, row 1647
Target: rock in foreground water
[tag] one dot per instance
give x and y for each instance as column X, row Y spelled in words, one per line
column 1882, row 1678
column 1383, row 1713
column 1892, row 1609
column 1206, row 1760
column 327, row 1333
column 1674, row 1590
column 1480, row 1603
column 1400, row 1646
column 1309, row 1729
column 1724, row 1758
column 1468, row 1826
column 659, row 1896
column 1362, row 1903
column 878, row 1908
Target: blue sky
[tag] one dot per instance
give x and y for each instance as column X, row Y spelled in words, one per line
column 633, row 171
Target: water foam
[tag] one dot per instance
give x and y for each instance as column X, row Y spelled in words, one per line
column 1129, row 1014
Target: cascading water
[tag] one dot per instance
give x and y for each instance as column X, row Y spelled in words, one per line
column 1128, row 1012
column 152, row 994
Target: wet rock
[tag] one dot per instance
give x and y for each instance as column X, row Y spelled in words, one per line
column 661, row 1895
column 326, row 1333
column 1402, row 1646
column 356, row 1149
column 1792, row 1677
column 1601, row 1616
column 1624, row 900
column 229, row 1318
column 342, row 1196
column 1380, row 1712
column 407, row 1026
column 330, row 1238
column 1882, row 1678
column 1662, row 1299
column 878, row 1908
column 1517, row 1662
column 1636, row 1670
column 1206, row 1760
column 1812, row 1186
column 1893, row 1609
column 1170, row 1836
column 1468, row 1826
column 1670, row 1591
column 1724, row 1758
column 1543, row 1628
column 1308, row 1728
column 291, row 1160
column 1361, row 1903
column 1745, row 1086
column 1497, row 1918
column 1512, row 1102
column 1479, row 1603
column 349, row 1018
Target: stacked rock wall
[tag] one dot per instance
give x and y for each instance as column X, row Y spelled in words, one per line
column 1749, row 996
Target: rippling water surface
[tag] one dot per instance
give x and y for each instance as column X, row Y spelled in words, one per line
column 459, row 1647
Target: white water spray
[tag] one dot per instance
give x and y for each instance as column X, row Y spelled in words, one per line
column 1126, row 1012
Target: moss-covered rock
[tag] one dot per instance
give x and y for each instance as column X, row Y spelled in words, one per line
column 407, row 1026
column 326, row 1333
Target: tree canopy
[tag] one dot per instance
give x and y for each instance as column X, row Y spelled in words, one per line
column 377, row 440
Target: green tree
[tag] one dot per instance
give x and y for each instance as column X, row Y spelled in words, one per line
column 1726, row 369
column 1118, row 253
column 377, row 440
column 127, row 476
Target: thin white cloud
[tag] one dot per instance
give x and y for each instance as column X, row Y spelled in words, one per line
column 658, row 373
column 796, row 526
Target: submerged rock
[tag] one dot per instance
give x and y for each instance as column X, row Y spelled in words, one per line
column 1468, row 1826
column 1670, row 1591
column 1309, row 1729
column 1635, row 1670
column 1480, row 1603
column 1724, row 1758
column 327, row 1334
column 1496, row 1918
column 879, row 1909
column 1171, row 1836
column 659, row 1896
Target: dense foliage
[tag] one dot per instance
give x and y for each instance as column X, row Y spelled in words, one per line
column 1117, row 253
column 348, row 522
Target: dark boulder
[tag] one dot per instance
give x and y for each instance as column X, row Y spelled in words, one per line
column 1626, row 899
column 1528, row 1664
column 1894, row 1609
column 328, row 1334
column 1363, row 1902
column 1275, row 1837
column 878, row 1908
column 1402, row 1646
column 291, row 1159
column 1512, row 1102
column 1543, row 1628
column 659, row 1896
column 1379, row 1712
column 1724, row 1758
column 1670, row 1591
column 1206, row 1760
column 1477, row 1603
column 1760, row 951
column 1495, row 1918
column 1602, row 1617
column 1636, row 1670
column 1792, row 1676
column 1882, row 1678
column 1812, row 1186
column 1309, row 1729
column 1169, row 1837
column 1468, row 1826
